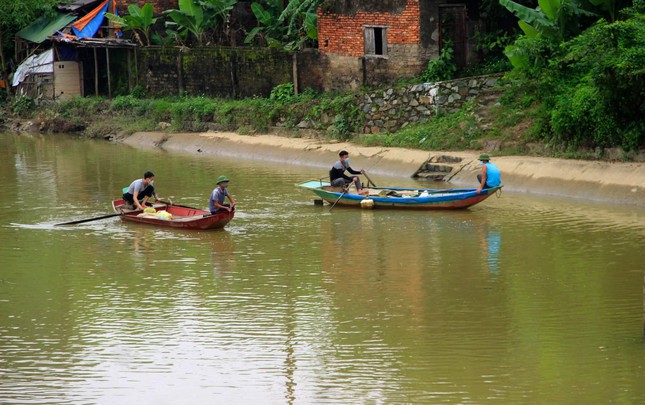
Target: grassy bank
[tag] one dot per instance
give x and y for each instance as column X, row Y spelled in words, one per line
column 498, row 123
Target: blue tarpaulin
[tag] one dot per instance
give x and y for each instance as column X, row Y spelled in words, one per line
column 87, row 26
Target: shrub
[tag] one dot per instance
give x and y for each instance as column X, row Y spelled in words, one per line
column 442, row 68
column 341, row 128
column 138, row 91
column 24, row 106
column 124, row 103
column 580, row 119
column 591, row 88
column 456, row 130
column 283, row 93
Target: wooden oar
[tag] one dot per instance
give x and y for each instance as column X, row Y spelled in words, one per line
column 369, row 180
column 80, row 221
column 345, row 190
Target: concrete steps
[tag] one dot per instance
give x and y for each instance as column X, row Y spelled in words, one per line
column 441, row 167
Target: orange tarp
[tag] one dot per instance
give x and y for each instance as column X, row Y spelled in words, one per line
column 81, row 23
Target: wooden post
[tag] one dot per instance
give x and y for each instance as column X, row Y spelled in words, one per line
column 233, row 70
column 129, row 71
column 107, row 63
column 82, row 78
column 3, row 73
column 96, row 74
column 294, row 67
column 136, row 67
column 180, row 74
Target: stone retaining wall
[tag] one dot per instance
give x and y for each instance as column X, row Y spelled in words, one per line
column 393, row 109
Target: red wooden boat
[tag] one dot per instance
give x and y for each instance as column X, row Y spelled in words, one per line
column 182, row 216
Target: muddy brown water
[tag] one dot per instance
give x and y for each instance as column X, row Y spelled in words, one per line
column 520, row 299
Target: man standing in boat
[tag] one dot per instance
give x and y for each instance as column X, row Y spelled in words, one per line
column 490, row 175
column 216, row 200
column 140, row 191
column 337, row 176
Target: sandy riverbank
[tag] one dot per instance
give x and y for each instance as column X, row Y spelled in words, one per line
column 622, row 183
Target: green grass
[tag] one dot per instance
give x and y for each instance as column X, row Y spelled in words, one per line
column 452, row 131
column 517, row 121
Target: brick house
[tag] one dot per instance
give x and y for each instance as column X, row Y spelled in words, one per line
column 369, row 42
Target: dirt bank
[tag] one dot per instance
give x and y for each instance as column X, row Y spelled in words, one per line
column 622, row 183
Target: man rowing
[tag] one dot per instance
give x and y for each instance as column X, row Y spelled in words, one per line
column 338, row 178
column 140, row 191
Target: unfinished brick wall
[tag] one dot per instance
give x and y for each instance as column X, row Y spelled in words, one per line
column 343, row 34
column 408, row 36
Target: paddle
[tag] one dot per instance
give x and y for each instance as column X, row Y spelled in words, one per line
column 345, row 190
column 80, row 221
column 369, row 180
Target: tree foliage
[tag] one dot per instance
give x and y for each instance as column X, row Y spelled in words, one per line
column 552, row 21
column 14, row 16
column 585, row 69
column 601, row 99
column 196, row 18
column 285, row 27
column 592, row 87
column 139, row 20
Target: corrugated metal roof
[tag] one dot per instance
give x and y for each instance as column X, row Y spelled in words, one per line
column 39, row 30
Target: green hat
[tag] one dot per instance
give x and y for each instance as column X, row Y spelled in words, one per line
column 484, row 157
column 222, row 179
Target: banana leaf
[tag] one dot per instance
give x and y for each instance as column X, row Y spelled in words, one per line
column 519, row 59
column 551, row 8
column 535, row 18
column 528, row 30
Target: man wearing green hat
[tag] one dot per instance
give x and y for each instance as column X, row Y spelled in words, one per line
column 490, row 175
column 216, row 200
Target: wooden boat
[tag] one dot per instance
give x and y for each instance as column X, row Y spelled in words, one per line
column 400, row 197
column 181, row 216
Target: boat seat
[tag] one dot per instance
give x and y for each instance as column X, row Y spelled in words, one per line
column 186, row 219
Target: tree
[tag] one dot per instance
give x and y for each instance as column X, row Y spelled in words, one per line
column 219, row 12
column 553, row 21
column 15, row 15
column 140, row 20
column 197, row 17
column 287, row 28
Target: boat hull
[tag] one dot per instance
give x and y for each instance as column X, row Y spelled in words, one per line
column 404, row 198
column 183, row 217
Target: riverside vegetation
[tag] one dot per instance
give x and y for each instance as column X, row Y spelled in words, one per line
column 567, row 94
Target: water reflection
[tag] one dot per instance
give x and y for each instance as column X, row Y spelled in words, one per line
column 223, row 258
column 143, row 247
column 490, row 240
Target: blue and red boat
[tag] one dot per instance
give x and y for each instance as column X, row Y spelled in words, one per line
column 399, row 197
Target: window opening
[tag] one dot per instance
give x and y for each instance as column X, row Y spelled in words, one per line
column 375, row 41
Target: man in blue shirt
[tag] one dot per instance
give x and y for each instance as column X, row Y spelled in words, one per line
column 216, row 200
column 490, row 175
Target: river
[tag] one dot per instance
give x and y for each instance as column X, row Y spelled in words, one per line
column 520, row 299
